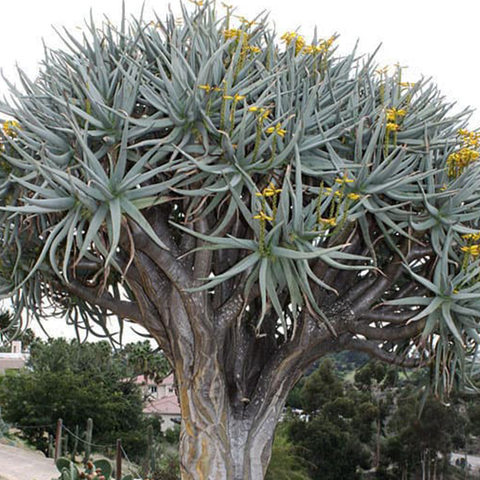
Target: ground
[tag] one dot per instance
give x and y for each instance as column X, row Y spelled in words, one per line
column 20, row 464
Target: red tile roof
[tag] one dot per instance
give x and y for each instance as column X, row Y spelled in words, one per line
column 163, row 406
column 142, row 380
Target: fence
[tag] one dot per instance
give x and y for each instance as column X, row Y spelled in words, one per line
column 63, row 434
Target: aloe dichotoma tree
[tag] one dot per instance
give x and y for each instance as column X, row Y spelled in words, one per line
column 254, row 203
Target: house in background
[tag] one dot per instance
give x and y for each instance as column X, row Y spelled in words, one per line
column 14, row 360
column 161, row 400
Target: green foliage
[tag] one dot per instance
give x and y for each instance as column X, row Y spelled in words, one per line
column 12, row 328
column 74, row 383
column 321, row 387
column 422, row 430
column 333, row 441
column 141, row 359
column 286, row 463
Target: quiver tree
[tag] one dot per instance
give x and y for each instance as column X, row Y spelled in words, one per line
column 253, row 203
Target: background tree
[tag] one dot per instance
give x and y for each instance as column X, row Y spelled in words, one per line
column 335, row 435
column 11, row 329
column 142, row 359
column 254, row 204
column 74, row 382
column 421, row 435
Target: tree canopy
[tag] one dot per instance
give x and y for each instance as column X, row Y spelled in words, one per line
column 254, row 202
column 74, row 382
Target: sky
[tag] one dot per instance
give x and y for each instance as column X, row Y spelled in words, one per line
column 433, row 38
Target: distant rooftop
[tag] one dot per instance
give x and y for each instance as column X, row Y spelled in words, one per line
column 143, row 380
column 163, row 406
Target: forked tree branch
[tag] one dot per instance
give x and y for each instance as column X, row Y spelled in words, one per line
column 106, row 300
column 375, row 351
column 389, row 333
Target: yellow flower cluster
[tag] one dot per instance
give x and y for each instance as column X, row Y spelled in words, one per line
column 354, row 196
column 393, row 113
column 336, row 193
column 343, row 180
column 263, row 113
column 300, row 43
column 210, row 88
column 247, row 22
column 233, row 33
column 293, row 37
column 328, row 222
column 392, row 127
column 269, row 191
column 464, row 157
column 10, row 126
column 253, row 49
column 458, row 161
column 277, row 130
column 474, row 237
column 471, row 250
column 263, row 216
column 235, row 97
column 469, row 139
column 322, row 47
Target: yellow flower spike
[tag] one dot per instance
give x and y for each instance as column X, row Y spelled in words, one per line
column 247, row 22
column 265, row 114
column 473, row 250
column 207, row 88
column 198, row 3
column 407, row 84
column 262, row 216
column 344, row 180
column 253, row 49
column 271, row 187
column 331, row 222
column 354, row 196
column 393, row 113
column 228, row 97
column 253, row 108
column 392, row 127
column 277, row 130
column 337, row 193
column 232, row 33
column 9, row 128
column 238, row 97
column 299, row 44
column 330, row 41
column 269, row 191
column 475, row 237
column 289, row 36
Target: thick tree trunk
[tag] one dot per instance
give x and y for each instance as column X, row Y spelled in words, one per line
column 233, row 377
column 219, row 441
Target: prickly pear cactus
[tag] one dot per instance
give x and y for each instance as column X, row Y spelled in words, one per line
column 96, row 470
